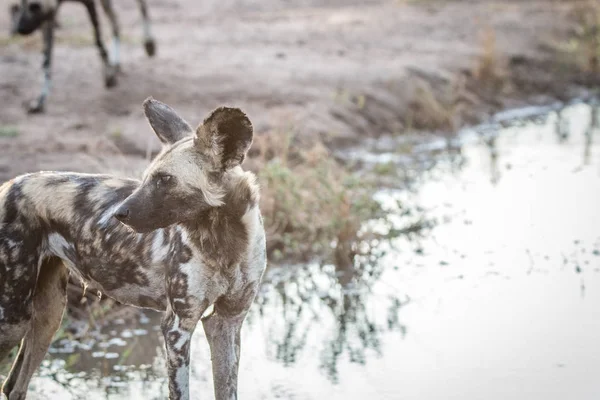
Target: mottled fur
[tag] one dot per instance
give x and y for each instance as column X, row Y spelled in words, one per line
column 188, row 236
column 30, row 15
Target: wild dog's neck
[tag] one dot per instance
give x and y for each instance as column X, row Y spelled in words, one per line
column 223, row 233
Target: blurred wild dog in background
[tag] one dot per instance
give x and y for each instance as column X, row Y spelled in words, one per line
column 30, row 15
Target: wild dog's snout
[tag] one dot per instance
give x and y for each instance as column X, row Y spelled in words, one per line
column 122, row 213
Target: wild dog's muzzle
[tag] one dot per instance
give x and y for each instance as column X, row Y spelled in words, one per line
column 135, row 215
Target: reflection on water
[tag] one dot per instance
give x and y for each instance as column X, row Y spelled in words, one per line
column 592, row 129
column 499, row 298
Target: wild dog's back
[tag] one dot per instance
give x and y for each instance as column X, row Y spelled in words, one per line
column 70, row 215
column 44, row 197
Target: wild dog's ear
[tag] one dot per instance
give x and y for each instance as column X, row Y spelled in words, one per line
column 168, row 126
column 225, row 136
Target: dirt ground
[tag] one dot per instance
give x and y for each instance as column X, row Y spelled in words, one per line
column 331, row 69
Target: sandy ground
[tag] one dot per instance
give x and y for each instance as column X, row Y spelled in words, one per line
column 333, row 69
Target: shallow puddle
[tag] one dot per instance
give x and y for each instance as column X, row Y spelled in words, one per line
column 499, row 298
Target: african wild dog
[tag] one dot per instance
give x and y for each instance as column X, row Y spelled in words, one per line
column 31, row 15
column 188, row 236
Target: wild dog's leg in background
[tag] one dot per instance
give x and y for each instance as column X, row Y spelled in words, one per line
column 112, row 17
column 178, row 333
column 222, row 329
column 110, row 72
column 49, row 302
column 149, row 43
column 14, row 16
column 38, row 105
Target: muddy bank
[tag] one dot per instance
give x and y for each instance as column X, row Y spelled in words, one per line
column 331, row 70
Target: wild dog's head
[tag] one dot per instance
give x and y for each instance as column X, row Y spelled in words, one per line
column 188, row 177
column 28, row 15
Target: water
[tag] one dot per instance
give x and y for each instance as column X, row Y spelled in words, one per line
column 499, row 298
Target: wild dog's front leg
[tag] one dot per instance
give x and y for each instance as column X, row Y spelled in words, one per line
column 110, row 71
column 178, row 333
column 223, row 335
column 38, row 105
column 222, row 329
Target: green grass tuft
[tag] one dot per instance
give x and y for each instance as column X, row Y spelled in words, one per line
column 9, row 131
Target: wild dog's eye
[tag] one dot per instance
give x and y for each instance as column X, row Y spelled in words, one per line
column 163, row 180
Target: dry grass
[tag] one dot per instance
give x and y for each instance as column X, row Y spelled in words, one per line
column 310, row 203
column 580, row 52
column 584, row 44
column 444, row 105
column 347, row 98
column 438, row 108
column 429, row 111
column 489, row 69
